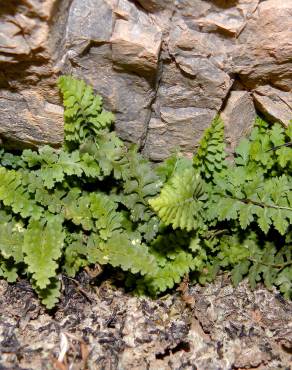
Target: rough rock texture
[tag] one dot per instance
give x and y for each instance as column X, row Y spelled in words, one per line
column 237, row 114
column 165, row 67
column 99, row 327
column 274, row 103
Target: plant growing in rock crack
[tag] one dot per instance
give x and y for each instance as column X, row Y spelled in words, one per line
column 97, row 201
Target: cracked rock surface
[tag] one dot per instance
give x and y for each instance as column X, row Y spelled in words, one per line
column 164, row 67
column 101, row 327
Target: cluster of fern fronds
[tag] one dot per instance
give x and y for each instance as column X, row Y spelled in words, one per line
column 98, row 201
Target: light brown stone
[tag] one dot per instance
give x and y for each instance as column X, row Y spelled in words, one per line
column 275, row 104
column 27, row 119
column 136, row 46
column 264, row 52
column 238, row 115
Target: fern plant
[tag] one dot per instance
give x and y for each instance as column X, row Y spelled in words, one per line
column 98, row 201
column 246, row 213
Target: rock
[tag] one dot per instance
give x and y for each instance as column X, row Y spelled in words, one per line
column 30, row 108
column 190, row 93
column 136, row 46
column 83, row 27
column 263, row 54
column 155, row 5
column 24, row 30
column 28, row 120
column 177, row 129
column 164, row 67
column 273, row 103
column 238, row 115
column 228, row 19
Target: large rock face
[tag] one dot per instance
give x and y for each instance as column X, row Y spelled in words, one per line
column 164, row 67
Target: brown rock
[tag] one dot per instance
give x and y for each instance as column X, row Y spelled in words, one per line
column 136, row 46
column 264, row 51
column 238, row 115
column 177, row 129
column 165, row 68
column 230, row 20
column 155, row 5
column 275, row 104
column 28, row 120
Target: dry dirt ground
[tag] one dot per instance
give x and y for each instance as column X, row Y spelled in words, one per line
column 102, row 327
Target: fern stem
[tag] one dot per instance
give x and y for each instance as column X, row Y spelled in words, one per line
column 260, row 204
column 213, row 233
column 278, row 266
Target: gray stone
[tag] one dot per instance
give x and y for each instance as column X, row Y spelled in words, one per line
column 238, row 115
column 89, row 21
column 177, row 129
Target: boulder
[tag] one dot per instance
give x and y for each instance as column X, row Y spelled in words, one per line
column 28, row 120
column 263, row 54
column 274, row 104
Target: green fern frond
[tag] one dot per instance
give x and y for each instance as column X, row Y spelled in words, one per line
column 8, row 270
column 181, row 201
column 103, row 210
column 42, row 247
column 210, row 156
column 75, row 254
column 11, row 161
column 14, row 195
column 174, row 164
column 50, row 295
column 107, row 150
column 84, row 116
column 121, row 251
column 97, row 201
column 76, row 207
column 11, row 237
column 257, row 199
column 172, row 273
column 54, row 165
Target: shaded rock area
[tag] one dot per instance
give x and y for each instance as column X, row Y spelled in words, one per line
column 238, row 115
column 164, row 67
column 102, row 327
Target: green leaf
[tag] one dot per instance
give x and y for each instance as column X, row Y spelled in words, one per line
column 120, row 251
column 14, row 195
column 239, row 271
column 242, row 151
column 8, row 270
column 181, row 201
column 43, row 243
column 172, row 273
column 277, row 135
column 103, row 210
column 11, row 239
column 49, row 296
column 84, row 116
column 210, row 156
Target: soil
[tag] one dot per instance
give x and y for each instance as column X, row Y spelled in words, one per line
column 103, row 327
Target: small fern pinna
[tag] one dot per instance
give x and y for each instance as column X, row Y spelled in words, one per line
column 98, row 201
